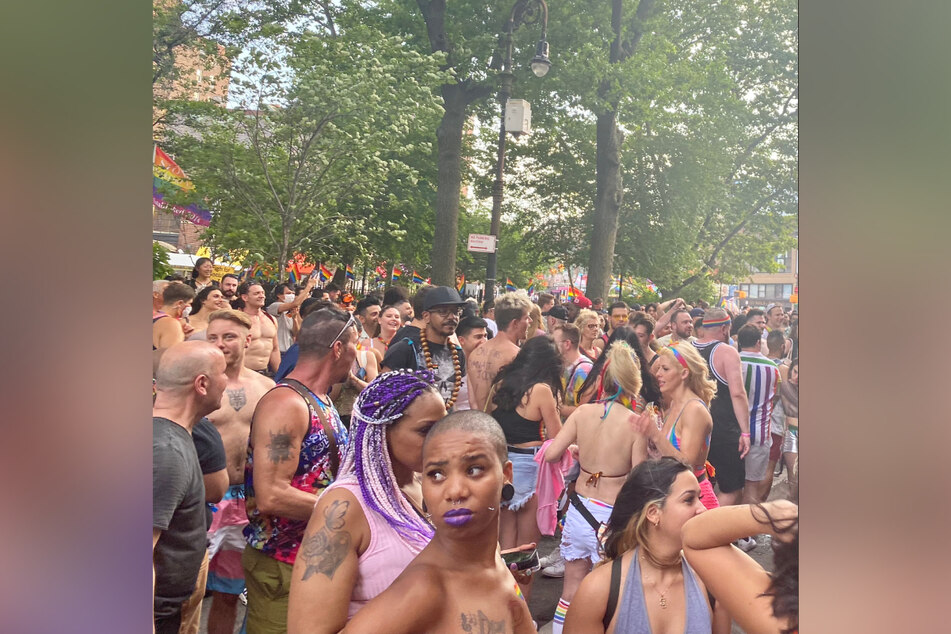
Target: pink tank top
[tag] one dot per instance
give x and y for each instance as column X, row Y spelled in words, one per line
column 384, row 559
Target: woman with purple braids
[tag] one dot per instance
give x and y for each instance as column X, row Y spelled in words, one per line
column 368, row 525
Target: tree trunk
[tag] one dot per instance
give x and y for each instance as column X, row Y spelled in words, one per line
column 449, row 144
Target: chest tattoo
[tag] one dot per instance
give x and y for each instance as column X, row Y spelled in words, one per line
column 237, row 398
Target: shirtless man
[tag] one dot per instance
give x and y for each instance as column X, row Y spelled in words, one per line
column 458, row 583
column 158, row 286
column 264, row 353
column 230, row 332
column 512, row 317
column 167, row 330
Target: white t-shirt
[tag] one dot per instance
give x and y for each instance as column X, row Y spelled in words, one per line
column 492, row 326
column 284, row 326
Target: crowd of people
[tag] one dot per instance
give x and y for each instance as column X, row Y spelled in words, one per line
column 370, row 465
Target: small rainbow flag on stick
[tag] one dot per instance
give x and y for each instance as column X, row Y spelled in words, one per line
column 461, row 283
column 572, row 293
column 397, row 273
column 350, row 275
column 294, row 274
column 531, row 288
column 324, row 274
column 417, row 278
column 509, row 286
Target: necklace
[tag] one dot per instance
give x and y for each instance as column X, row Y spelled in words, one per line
column 645, row 557
column 456, row 370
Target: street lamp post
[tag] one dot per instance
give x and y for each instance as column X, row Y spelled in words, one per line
column 524, row 12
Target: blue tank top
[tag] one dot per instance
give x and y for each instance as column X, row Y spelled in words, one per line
column 632, row 609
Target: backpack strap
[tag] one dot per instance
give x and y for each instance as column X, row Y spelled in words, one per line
column 614, row 593
column 585, row 513
column 327, row 426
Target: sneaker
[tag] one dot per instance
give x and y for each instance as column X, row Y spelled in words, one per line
column 556, row 570
column 550, row 559
column 746, row 544
column 243, row 597
column 778, row 470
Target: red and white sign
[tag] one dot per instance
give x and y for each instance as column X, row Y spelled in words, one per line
column 481, row 243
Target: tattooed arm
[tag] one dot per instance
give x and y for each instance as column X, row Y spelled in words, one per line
column 280, row 421
column 326, row 568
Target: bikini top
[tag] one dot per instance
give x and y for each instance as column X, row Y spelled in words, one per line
column 673, row 428
column 597, row 475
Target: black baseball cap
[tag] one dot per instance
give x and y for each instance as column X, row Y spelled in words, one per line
column 442, row 296
column 558, row 312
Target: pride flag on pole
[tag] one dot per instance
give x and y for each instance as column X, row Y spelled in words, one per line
column 324, row 274
column 294, row 275
column 167, row 176
column 417, row 278
column 531, row 288
column 509, row 286
column 350, row 275
column 397, row 273
column 461, row 283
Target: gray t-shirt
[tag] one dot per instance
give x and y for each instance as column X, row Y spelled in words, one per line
column 178, row 510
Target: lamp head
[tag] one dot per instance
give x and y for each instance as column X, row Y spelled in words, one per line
column 541, row 63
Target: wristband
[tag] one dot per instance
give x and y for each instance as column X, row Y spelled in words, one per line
column 745, row 434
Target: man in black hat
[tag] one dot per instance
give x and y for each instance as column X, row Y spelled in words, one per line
column 557, row 316
column 442, row 307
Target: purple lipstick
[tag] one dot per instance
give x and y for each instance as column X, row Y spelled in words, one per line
column 457, row 517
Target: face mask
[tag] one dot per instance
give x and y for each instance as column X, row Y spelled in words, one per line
column 289, row 297
column 187, row 311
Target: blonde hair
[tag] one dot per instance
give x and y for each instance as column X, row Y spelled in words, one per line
column 623, row 368
column 237, row 316
column 698, row 374
column 536, row 323
column 584, row 315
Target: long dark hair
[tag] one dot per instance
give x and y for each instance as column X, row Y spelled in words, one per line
column 537, row 362
column 784, row 580
column 649, row 390
column 647, row 483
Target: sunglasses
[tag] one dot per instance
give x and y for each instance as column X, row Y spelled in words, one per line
column 350, row 322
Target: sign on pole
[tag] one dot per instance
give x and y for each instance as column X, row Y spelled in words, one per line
column 481, row 243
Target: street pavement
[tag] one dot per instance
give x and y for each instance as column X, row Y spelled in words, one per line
column 547, row 591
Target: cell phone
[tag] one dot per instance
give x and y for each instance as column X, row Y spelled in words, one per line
column 523, row 559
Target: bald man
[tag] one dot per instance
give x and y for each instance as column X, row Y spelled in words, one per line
column 189, row 382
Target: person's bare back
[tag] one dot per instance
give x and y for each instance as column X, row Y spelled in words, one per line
column 482, row 366
column 610, row 447
column 233, row 418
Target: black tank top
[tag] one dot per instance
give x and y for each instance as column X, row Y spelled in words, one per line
column 726, row 429
column 517, row 428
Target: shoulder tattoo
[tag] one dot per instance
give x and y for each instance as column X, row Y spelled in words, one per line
column 325, row 550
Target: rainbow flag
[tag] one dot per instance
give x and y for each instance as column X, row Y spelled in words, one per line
column 168, row 176
column 509, row 286
column 324, row 274
column 350, row 275
column 294, row 275
column 572, row 293
column 460, row 283
column 397, row 273
column 531, row 288
column 417, row 278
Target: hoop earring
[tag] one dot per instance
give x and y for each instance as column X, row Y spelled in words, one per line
column 508, row 492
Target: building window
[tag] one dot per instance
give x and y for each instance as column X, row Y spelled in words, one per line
column 787, row 290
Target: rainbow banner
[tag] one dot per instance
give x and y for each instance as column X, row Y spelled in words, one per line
column 350, row 275
column 324, row 274
column 397, row 273
column 167, row 176
column 417, row 278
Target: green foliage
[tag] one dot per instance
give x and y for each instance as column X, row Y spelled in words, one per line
column 320, row 162
column 160, row 267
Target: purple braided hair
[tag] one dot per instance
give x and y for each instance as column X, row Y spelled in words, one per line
column 380, row 405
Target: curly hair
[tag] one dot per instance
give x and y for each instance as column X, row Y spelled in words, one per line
column 537, row 362
column 784, row 580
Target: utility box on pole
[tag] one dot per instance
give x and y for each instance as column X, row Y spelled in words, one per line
column 518, row 116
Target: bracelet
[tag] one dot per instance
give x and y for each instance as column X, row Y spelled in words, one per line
column 745, row 434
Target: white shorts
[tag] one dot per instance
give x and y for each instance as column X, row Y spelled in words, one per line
column 757, row 461
column 578, row 539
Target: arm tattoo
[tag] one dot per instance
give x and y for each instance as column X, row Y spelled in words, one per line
column 326, row 549
column 237, row 398
column 481, row 624
column 279, row 449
